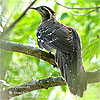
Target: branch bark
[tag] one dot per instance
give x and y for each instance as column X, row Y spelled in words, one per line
column 92, row 77
column 32, row 85
column 29, row 50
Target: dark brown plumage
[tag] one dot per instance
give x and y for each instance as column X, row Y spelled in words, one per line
column 52, row 34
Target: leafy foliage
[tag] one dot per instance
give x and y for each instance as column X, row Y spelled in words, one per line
column 21, row 68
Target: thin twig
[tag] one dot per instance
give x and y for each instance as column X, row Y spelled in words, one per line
column 83, row 13
column 16, row 21
column 77, row 7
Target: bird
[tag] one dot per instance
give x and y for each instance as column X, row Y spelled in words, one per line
column 52, row 34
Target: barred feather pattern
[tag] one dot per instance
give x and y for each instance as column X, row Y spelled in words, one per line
column 52, row 34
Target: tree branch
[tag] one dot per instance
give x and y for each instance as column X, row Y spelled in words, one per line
column 77, row 7
column 94, row 9
column 83, row 13
column 92, row 77
column 29, row 50
column 33, row 85
column 16, row 21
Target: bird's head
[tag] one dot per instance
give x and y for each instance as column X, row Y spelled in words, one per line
column 45, row 12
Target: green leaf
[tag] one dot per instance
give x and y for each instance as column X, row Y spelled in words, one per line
column 64, row 88
column 63, row 16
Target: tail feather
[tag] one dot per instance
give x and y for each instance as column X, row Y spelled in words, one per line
column 72, row 70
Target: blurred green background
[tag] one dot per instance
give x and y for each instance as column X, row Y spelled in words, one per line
column 18, row 68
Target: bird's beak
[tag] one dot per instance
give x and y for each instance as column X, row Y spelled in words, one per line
column 33, row 8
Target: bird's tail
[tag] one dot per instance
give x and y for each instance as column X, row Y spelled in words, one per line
column 72, row 70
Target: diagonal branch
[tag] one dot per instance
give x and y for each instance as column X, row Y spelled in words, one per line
column 16, row 21
column 29, row 50
column 92, row 77
column 33, row 85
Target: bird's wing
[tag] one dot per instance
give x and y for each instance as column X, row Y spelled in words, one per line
column 59, row 38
